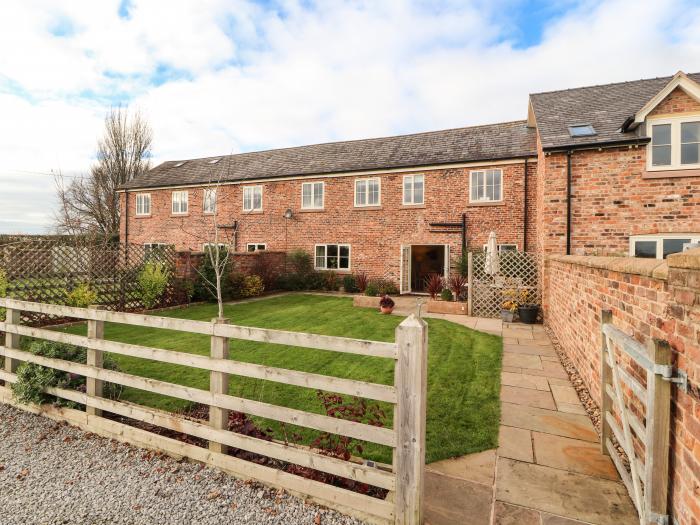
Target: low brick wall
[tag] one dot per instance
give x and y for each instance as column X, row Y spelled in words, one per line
column 247, row 263
column 648, row 299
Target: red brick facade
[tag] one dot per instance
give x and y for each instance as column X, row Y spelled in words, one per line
column 649, row 299
column 374, row 234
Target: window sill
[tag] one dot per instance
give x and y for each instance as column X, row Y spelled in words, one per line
column 180, row 214
column 367, row 208
column 494, row 203
column 208, row 213
column 143, row 216
column 311, row 210
column 672, row 173
column 253, row 212
column 412, row 207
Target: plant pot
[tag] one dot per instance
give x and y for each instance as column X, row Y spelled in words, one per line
column 386, row 309
column 507, row 316
column 528, row 313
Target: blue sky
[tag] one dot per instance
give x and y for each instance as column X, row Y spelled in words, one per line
column 221, row 76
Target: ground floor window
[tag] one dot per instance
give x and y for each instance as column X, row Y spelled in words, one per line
column 661, row 245
column 505, row 248
column 256, row 247
column 332, row 257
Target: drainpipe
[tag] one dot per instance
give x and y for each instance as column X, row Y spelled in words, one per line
column 126, row 219
column 525, row 218
column 568, row 202
column 464, row 234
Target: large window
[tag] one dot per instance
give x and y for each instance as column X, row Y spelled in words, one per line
column 209, row 204
column 675, row 143
column 486, row 186
column 660, row 246
column 312, row 195
column 413, row 189
column 143, row 204
column 252, row 198
column 332, row 257
column 368, row 192
column 179, row 202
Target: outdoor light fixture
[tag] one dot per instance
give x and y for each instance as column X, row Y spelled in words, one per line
column 288, row 213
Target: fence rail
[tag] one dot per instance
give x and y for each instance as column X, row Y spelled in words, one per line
column 636, row 413
column 408, row 396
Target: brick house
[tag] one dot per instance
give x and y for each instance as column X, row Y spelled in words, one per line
column 601, row 170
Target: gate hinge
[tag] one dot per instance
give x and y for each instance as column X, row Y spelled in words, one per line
column 667, row 374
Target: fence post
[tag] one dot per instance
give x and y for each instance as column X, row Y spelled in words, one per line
column 605, row 379
column 94, row 387
column 218, row 384
column 12, row 316
column 409, row 423
column 658, row 425
column 470, row 283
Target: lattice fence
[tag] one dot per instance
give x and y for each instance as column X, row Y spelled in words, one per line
column 46, row 270
column 510, row 275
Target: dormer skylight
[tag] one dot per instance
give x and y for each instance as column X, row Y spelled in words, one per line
column 582, row 130
column 179, row 164
column 214, row 161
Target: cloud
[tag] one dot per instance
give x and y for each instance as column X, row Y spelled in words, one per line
column 220, row 76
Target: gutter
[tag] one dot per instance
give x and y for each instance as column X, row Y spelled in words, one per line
column 640, row 141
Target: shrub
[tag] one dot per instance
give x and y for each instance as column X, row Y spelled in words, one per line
column 299, row 262
column 3, row 290
column 235, row 283
column 314, row 281
column 350, row 284
column 153, row 280
column 253, row 286
column 457, row 282
column 205, row 285
column 463, row 265
column 434, row 283
column 371, row 290
column 330, row 281
column 291, row 281
column 361, row 279
column 184, row 288
column 81, row 296
column 32, row 379
column 446, row 295
column 384, row 286
column 265, row 269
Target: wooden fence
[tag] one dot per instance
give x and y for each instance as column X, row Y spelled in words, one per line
column 46, row 270
column 403, row 480
column 636, row 409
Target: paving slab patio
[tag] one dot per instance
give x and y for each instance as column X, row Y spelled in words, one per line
column 548, row 468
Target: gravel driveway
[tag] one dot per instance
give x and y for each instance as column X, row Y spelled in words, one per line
column 51, row 473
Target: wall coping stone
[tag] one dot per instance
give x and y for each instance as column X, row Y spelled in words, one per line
column 653, row 268
column 689, row 260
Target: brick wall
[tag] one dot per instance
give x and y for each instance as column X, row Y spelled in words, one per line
column 649, row 299
column 375, row 234
column 187, row 262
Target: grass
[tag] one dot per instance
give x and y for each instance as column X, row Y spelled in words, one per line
column 463, row 366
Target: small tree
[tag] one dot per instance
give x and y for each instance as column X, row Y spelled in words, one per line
column 153, row 280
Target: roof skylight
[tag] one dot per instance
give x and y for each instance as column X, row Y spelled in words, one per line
column 581, row 130
column 214, row 161
column 179, row 164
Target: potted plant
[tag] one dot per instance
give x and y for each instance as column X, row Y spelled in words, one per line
column 434, row 284
column 386, row 304
column 527, row 311
column 509, row 305
column 457, row 284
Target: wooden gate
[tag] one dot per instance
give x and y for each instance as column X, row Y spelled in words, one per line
column 636, row 410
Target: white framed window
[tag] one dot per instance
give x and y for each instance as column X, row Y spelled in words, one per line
column 486, row 185
column 153, row 250
column 332, row 257
column 413, row 189
column 675, row 143
column 660, row 246
column 209, row 200
column 143, row 204
column 252, row 198
column 312, row 194
column 208, row 245
column 368, row 192
column 180, row 202
column 505, row 248
column 256, row 247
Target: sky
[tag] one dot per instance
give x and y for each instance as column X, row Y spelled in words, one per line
column 224, row 76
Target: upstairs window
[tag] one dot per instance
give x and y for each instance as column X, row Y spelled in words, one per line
column 413, row 186
column 660, row 246
column 486, row 186
column 179, row 202
column 367, row 192
column 332, row 257
column 312, row 195
column 143, row 204
column 209, row 205
column 675, row 143
column 252, row 198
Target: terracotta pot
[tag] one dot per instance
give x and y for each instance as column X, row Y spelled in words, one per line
column 386, row 309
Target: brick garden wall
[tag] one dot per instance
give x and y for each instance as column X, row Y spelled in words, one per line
column 186, row 262
column 375, row 234
column 649, row 299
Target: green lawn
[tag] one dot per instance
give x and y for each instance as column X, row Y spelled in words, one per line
column 463, row 366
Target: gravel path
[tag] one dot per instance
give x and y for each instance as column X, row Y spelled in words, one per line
column 52, row 473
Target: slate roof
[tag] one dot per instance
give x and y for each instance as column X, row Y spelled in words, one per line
column 509, row 140
column 606, row 107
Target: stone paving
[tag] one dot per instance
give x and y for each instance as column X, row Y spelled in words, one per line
column 548, row 468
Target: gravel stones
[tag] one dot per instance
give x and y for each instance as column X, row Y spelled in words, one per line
column 52, row 473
